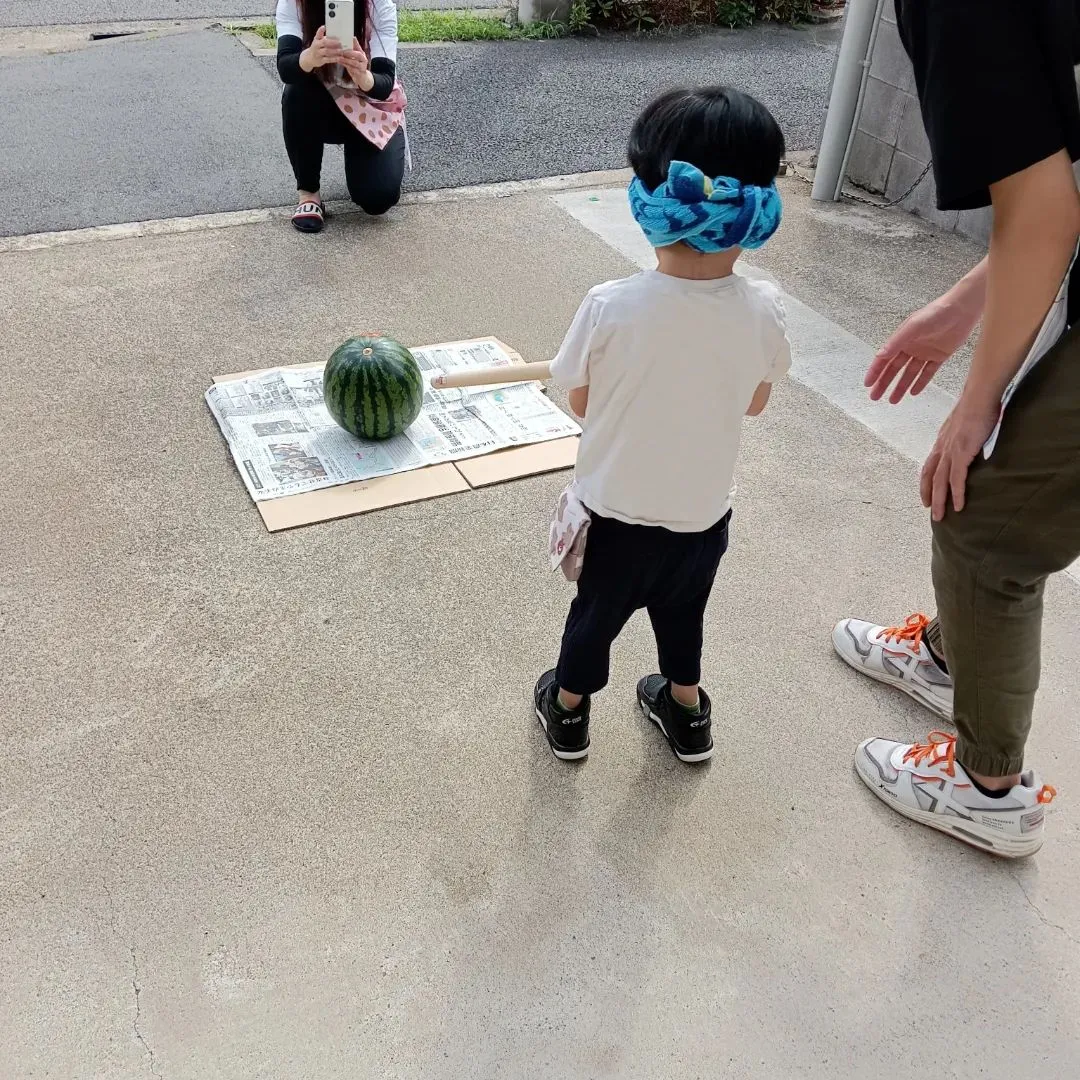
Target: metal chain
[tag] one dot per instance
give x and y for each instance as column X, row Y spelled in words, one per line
column 871, row 202
column 899, row 199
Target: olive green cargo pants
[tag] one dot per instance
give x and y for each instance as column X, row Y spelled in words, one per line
column 1020, row 524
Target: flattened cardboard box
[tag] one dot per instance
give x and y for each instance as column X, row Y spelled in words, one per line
column 416, row 485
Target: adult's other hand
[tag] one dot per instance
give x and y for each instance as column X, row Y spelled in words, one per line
column 926, row 339
column 960, row 439
column 922, row 343
column 323, row 50
column 355, row 62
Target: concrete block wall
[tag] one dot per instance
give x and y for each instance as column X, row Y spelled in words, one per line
column 890, row 149
column 534, row 10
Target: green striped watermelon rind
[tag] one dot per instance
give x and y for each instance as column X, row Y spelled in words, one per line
column 373, row 387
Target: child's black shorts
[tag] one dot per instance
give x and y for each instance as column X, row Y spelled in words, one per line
column 628, row 567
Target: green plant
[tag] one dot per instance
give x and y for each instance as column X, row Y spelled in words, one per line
column 586, row 17
column 784, row 11
column 543, row 30
column 644, row 16
column 434, row 26
column 734, row 13
column 430, row 26
column 580, row 17
column 639, row 16
column 605, row 10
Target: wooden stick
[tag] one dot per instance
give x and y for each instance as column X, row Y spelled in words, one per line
column 514, row 373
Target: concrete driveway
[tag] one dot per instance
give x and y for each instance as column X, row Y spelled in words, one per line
column 276, row 806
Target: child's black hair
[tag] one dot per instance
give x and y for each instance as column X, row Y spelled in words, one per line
column 722, row 132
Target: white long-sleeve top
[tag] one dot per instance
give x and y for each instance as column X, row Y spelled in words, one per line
column 381, row 13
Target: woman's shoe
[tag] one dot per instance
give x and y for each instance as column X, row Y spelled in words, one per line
column 309, row 217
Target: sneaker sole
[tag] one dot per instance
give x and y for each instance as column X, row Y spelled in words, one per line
column 911, row 689
column 691, row 759
column 562, row 755
column 1002, row 846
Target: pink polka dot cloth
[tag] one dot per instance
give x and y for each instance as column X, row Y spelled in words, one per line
column 375, row 120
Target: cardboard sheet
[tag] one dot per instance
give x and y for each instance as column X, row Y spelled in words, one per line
column 520, row 461
column 344, row 500
column 348, row 499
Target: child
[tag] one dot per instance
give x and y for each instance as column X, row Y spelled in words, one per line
column 662, row 366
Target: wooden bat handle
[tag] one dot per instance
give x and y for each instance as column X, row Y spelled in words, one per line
column 514, row 373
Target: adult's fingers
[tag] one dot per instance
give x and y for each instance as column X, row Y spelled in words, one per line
column 940, row 494
column 926, row 477
column 884, row 373
column 958, row 483
column 923, row 381
column 883, row 360
column 898, row 340
column 320, row 33
column 910, row 373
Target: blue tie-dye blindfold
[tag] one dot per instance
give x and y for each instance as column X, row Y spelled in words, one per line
column 709, row 215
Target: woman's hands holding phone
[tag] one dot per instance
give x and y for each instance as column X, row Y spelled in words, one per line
column 323, row 50
column 355, row 62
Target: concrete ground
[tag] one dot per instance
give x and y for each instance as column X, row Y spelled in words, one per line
column 189, row 122
column 276, row 806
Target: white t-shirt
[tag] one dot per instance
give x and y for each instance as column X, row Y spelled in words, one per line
column 671, row 366
column 384, row 25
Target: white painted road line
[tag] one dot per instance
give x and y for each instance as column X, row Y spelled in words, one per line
column 825, row 357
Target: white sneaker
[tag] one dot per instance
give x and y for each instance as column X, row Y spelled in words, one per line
column 924, row 782
column 899, row 656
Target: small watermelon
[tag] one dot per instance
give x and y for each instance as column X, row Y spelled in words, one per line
column 373, row 387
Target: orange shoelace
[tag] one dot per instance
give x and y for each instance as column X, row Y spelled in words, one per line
column 912, row 631
column 940, row 749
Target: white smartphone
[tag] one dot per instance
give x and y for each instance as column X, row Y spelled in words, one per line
column 340, row 21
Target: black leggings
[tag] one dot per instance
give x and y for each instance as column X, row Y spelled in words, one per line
column 310, row 119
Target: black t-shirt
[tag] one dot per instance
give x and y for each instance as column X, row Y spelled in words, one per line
column 996, row 85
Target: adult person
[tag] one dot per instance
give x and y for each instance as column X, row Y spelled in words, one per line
column 996, row 85
column 350, row 97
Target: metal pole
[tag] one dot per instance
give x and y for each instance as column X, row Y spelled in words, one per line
column 852, row 63
column 859, row 102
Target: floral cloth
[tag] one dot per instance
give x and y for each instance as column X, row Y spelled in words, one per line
column 375, row 120
column 566, row 536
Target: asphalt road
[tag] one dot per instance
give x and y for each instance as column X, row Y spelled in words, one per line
column 189, row 123
column 63, row 12
column 525, row 109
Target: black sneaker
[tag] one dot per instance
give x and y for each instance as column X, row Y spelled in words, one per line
column 689, row 734
column 567, row 733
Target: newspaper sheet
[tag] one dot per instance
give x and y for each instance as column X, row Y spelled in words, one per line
column 284, row 440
